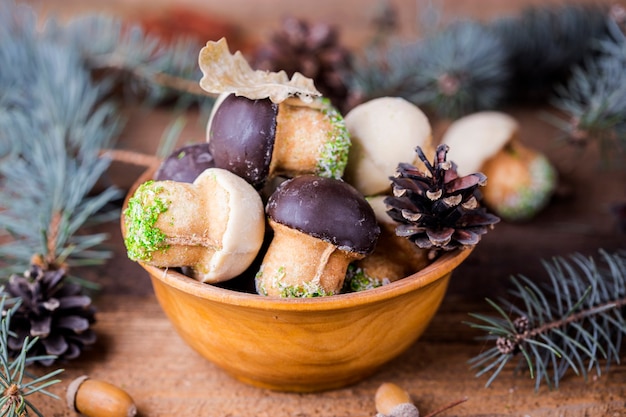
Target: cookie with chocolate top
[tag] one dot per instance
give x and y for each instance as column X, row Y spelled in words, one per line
column 265, row 125
column 320, row 226
column 185, row 163
column 258, row 139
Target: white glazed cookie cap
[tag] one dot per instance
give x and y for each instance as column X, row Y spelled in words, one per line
column 475, row 138
column 380, row 209
column 384, row 132
column 236, row 208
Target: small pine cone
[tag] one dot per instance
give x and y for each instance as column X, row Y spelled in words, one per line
column 53, row 310
column 312, row 50
column 438, row 209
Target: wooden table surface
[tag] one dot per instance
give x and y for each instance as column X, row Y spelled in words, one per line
column 139, row 350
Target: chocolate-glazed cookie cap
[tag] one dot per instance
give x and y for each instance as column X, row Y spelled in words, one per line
column 185, row 163
column 241, row 137
column 328, row 209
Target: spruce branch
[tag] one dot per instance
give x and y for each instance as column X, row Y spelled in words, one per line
column 544, row 43
column 56, row 122
column 455, row 71
column 462, row 69
column 468, row 66
column 387, row 70
column 594, row 99
column 48, row 180
column 573, row 322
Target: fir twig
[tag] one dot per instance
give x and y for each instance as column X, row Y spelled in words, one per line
column 140, row 62
column 15, row 388
column 446, row 407
column 571, row 323
column 131, row 157
column 389, row 70
column 163, row 79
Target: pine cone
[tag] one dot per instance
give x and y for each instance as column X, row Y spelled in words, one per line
column 312, row 50
column 438, row 209
column 54, row 311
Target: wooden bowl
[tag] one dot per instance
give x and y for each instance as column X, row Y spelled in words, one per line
column 302, row 345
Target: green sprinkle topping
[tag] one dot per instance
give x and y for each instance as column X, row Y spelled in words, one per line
column 333, row 156
column 144, row 208
column 259, row 283
column 358, row 280
column 533, row 197
column 181, row 155
column 304, row 290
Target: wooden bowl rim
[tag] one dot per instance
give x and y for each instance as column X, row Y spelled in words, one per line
column 430, row 274
column 438, row 269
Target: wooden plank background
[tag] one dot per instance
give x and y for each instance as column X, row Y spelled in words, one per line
column 139, row 350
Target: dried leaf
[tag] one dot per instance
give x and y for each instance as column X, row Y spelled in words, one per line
column 224, row 72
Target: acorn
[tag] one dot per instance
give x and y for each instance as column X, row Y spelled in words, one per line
column 95, row 398
column 521, row 179
column 392, row 401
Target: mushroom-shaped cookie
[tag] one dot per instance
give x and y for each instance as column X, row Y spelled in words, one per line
column 383, row 132
column 265, row 124
column 185, row 163
column 259, row 139
column 521, row 180
column 320, row 226
column 214, row 226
